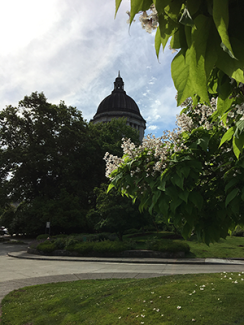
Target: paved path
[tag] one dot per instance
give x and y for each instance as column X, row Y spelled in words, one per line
column 19, row 269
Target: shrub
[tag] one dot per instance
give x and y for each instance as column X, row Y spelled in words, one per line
column 46, row 247
column 81, row 248
column 60, row 243
column 43, row 236
column 166, row 245
column 239, row 232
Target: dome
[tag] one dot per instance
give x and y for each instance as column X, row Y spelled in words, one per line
column 118, row 100
column 119, row 104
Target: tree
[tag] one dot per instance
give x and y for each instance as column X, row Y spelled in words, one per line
column 190, row 175
column 46, row 163
column 115, row 213
column 51, row 160
column 185, row 176
column 208, row 35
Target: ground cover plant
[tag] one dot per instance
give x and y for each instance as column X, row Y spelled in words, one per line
column 181, row 299
column 231, row 247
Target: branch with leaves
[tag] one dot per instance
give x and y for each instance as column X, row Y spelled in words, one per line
column 208, row 35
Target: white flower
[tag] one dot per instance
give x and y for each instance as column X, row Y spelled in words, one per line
column 168, row 297
column 178, row 307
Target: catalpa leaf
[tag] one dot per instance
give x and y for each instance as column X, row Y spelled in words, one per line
column 117, row 5
column 231, row 196
column 227, row 136
column 186, row 19
column 137, row 6
column 221, row 20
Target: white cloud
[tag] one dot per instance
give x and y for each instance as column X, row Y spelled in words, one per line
column 72, row 50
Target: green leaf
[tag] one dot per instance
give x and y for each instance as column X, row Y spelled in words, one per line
column 178, row 39
column 175, row 203
column 238, row 143
column 242, row 194
column 160, row 5
column 227, row 136
column 117, row 5
column 163, row 206
column 221, row 20
column 231, row 183
column 184, row 195
column 179, row 181
column 196, row 198
column 167, row 28
column 161, row 187
column 186, row 19
column 137, row 6
column 233, row 68
column 157, row 41
column 173, row 9
column 231, row 196
column 188, row 66
column 193, row 6
column 110, row 187
column 239, row 128
column 203, row 143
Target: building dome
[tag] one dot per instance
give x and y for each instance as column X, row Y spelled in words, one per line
column 119, row 104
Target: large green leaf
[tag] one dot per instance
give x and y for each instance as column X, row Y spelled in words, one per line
column 221, row 20
column 238, row 144
column 160, row 5
column 167, row 28
column 117, row 5
column 157, row 42
column 174, row 204
column 188, row 67
column 231, row 196
column 137, row 6
column 196, row 198
column 231, row 183
column 227, row 136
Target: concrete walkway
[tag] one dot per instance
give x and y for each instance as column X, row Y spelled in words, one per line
column 19, row 269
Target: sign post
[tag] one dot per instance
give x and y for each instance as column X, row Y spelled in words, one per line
column 48, row 226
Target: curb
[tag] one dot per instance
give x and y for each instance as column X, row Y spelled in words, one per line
column 24, row 255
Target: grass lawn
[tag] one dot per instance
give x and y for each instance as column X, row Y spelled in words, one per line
column 231, row 247
column 182, row 299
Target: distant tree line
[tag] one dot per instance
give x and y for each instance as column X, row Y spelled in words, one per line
column 51, row 160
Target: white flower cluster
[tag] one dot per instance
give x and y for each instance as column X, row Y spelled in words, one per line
column 156, row 150
column 149, row 21
column 112, row 163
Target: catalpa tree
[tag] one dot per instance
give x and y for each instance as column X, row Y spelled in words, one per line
column 191, row 176
column 208, row 35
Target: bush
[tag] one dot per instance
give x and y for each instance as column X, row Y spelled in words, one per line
column 166, row 245
column 105, row 246
column 46, row 247
column 239, row 232
column 43, row 236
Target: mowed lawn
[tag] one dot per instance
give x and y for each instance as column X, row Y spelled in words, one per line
column 181, row 299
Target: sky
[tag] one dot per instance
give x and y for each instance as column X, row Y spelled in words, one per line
column 72, row 50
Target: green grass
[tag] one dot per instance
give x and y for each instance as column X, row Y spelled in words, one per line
column 231, row 247
column 202, row 298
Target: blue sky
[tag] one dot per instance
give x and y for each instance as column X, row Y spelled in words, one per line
column 72, row 51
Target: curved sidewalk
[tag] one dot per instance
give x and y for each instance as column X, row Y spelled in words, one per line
column 37, row 269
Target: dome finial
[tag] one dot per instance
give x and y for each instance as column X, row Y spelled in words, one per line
column 119, row 84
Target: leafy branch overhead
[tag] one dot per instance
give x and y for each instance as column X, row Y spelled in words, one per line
column 208, row 36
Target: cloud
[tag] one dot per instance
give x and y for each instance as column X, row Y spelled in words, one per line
column 72, row 51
